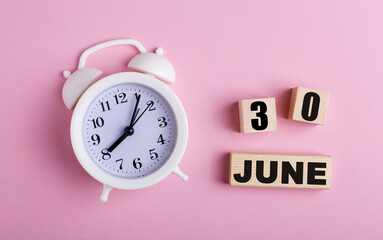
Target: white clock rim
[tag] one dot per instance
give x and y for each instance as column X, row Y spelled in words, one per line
column 90, row 165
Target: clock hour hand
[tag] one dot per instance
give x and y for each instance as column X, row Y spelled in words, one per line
column 128, row 131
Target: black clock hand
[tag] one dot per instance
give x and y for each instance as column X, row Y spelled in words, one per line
column 128, row 131
column 135, row 111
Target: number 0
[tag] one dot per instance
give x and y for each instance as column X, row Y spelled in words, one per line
column 310, row 114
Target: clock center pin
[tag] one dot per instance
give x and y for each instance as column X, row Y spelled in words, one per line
column 129, row 130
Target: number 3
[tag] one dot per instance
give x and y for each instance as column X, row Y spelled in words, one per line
column 261, row 121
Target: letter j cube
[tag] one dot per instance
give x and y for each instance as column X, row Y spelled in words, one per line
column 257, row 115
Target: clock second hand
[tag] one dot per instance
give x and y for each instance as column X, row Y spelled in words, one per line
column 136, row 120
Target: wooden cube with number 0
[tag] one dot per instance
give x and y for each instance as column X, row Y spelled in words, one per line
column 257, row 115
column 308, row 105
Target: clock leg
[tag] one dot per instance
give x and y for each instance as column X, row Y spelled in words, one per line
column 105, row 193
column 179, row 173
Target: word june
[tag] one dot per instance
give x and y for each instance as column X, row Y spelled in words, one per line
column 272, row 170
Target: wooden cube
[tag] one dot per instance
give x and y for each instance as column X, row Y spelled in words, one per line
column 257, row 115
column 276, row 170
column 308, row 105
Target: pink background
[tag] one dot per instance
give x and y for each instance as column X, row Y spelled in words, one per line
column 223, row 51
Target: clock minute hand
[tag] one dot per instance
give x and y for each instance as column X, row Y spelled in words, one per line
column 135, row 111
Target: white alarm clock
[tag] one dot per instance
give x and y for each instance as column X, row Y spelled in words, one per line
column 129, row 130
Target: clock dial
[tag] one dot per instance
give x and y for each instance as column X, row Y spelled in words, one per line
column 129, row 130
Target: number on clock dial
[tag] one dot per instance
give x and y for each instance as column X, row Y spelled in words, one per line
column 105, row 106
column 120, row 98
column 96, row 139
column 152, row 141
column 98, row 122
column 161, row 140
column 120, row 160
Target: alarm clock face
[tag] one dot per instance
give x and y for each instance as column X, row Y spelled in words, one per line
column 129, row 130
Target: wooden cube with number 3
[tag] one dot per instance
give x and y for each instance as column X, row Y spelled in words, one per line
column 308, row 105
column 257, row 115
